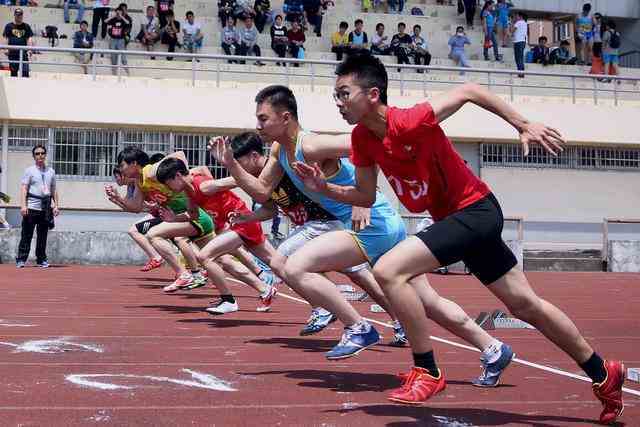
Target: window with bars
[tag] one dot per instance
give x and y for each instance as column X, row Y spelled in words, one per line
column 511, row 155
column 84, row 152
column 23, row 138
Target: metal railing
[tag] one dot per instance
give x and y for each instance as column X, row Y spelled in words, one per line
column 314, row 71
column 630, row 59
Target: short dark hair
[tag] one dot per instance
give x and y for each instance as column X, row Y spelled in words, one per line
column 116, row 171
column 277, row 16
column 280, row 97
column 459, row 27
column 586, row 7
column 542, row 38
column 368, row 71
column 378, row 25
column 35, row 147
column 169, row 168
column 564, row 43
column 189, row 12
column 155, row 158
column 358, row 21
column 123, row 6
column 246, row 143
column 417, row 26
column 84, row 22
column 403, row 24
column 611, row 24
column 133, row 154
column 343, row 24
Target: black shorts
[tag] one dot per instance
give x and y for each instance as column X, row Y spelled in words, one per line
column 144, row 226
column 473, row 235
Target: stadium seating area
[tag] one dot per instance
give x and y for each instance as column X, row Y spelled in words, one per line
column 438, row 24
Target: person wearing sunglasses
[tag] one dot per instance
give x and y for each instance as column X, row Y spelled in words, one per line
column 38, row 206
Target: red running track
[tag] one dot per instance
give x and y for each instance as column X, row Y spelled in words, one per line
column 155, row 359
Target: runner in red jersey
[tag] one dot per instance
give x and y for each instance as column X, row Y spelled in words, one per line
column 427, row 174
column 220, row 205
column 215, row 197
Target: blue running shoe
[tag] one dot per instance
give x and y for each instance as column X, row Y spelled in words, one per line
column 353, row 342
column 491, row 372
column 399, row 337
column 317, row 322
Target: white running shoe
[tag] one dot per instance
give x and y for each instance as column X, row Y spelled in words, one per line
column 222, row 307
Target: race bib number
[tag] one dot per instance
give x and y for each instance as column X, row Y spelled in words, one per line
column 116, row 32
column 412, row 193
column 164, row 7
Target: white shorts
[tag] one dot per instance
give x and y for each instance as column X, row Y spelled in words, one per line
column 308, row 231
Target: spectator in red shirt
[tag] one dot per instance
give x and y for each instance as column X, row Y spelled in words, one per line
column 296, row 41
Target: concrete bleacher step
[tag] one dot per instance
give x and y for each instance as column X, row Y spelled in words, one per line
column 576, row 260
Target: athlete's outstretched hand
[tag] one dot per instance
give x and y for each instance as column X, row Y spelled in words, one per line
column 360, row 218
column 220, row 149
column 312, row 176
column 548, row 137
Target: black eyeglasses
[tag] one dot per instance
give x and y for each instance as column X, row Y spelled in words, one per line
column 40, row 153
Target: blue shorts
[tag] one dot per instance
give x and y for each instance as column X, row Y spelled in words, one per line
column 385, row 231
column 610, row 58
column 503, row 22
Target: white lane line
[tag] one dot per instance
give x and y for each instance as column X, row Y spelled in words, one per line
column 466, row 347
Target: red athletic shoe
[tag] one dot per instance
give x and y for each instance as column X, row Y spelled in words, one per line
column 152, row 264
column 265, row 303
column 609, row 392
column 418, row 386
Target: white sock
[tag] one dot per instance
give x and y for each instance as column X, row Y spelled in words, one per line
column 361, row 327
column 266, row 292
column 493, row 351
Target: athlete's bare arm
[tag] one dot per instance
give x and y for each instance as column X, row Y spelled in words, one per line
column 361, row 194
column 318, row 148
column 134, row 204
column 260, row 188
column 214, row 186
column 265, row 212
column 530, row 132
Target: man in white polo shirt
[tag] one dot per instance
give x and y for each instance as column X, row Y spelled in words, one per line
column 38, row 206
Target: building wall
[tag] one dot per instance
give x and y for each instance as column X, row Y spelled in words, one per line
column 565, row 195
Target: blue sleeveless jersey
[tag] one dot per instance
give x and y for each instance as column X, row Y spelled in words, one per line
column 386, row 228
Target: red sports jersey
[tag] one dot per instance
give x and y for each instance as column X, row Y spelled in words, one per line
column 423, row 168
column 220, row 205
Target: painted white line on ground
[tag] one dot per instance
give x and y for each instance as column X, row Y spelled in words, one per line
column 467, row 347
column 200, row 380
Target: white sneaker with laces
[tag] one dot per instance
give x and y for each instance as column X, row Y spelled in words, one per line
column 222, row 307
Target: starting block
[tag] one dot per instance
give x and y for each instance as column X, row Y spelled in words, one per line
column 633, row 374
column 350, row 294
column 498, row 319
